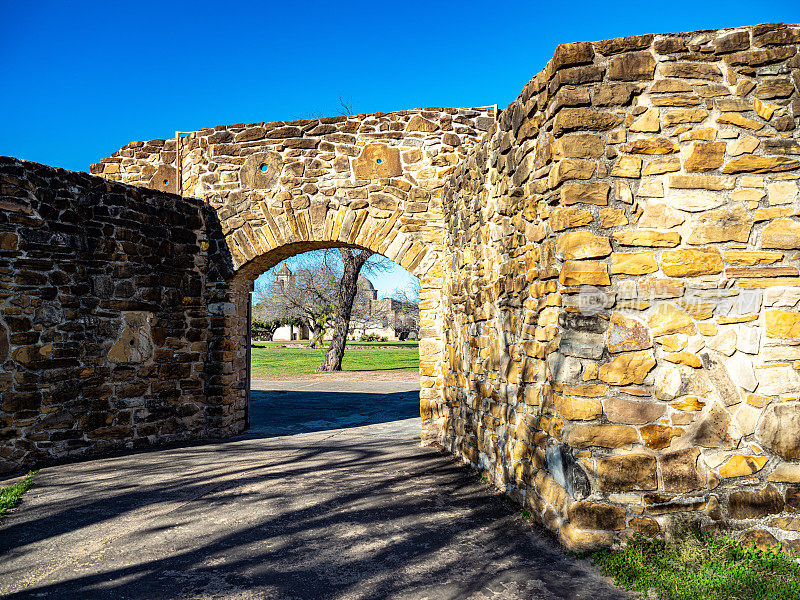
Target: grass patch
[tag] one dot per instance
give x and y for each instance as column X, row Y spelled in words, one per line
column 699, row 566
column 272, row 360
column 10, row 495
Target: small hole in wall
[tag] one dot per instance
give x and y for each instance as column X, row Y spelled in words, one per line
column 264, row 168
column 380, row 161
column 131, row 342
column 166, row 182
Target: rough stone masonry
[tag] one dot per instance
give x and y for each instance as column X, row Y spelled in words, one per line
column 609, row 266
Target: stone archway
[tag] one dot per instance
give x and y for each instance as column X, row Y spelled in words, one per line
column 280, row 189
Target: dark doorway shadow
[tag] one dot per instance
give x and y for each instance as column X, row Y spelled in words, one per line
column 284, row 412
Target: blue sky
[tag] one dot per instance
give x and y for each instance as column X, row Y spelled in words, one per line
column 81, row 79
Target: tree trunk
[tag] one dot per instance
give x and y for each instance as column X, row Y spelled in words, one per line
column 348, row 286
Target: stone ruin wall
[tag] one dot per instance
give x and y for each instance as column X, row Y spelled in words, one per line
column 623, row 329
column 279, row 189
column 105, row 338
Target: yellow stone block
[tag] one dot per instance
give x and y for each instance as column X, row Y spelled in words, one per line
column 783, row 324
column 612, row 217
column 627, row 166
column 647, row 237
column 586, row 272
column 740, row 465
column 668, row 319
column 684, row 358
column 690, row 263
column 582, row 244
column 578, row 409
column 633, row 263
column 627, row 368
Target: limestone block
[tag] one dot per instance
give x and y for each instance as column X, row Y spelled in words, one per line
column 647, row 122
column 627, row 166
column 782, row 192
column 785, row 473
column 585, row 272
column 579, row 540
column 658, row 214
column 714, row 429
column 567, row 218
column 782, row 234
column 782, row 324
column 134, row 343
column 760, row 164
column 652, row 145
column 578, row 145
column 578, row 409
column 779, row 429
column 626, row 334
column 581, row 344
column 756, row 504
column 690, row 263
column 749, row 339
column 604, row 436
column 612, row 217
column 684, row 115
column 582, row 244
column 647, row 237
column 261, row 171
column 624, row 369
column 740, row 368
column 668, row 319
column 421, row 124
column 659, row 436
column 633, row 263
column 718, row 375
column 776, row 379
column 632, row 412
column 724, row 342
column 729, row 224
column 692, row 200
column 572, row 119
column 745, row 257
column 633, row 66
column 377, row 161
column 596, row 515
column 743, row 145
column 705, row 156
column 628, row 472
column 680, row 471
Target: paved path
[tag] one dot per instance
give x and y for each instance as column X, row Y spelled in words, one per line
column 354, row 513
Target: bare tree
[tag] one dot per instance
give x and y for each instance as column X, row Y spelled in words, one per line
column 306, row 296
column 346, row 107
column 348, row 285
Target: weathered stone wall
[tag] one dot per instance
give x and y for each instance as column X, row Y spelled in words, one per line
column 623, row 335
column 279, row 189
column 104, row 328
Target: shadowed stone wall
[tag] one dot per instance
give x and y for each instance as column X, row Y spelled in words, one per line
column 622, row 323
column 103, row 322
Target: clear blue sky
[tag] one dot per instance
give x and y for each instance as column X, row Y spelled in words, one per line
column 78, row 80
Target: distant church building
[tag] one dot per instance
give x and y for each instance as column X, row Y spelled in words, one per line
column 386, row 317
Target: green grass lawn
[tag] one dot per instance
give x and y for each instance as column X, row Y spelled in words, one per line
column 10, row 495
column 702, row 567
column 269, row 359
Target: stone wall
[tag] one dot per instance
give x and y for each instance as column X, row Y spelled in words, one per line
column 280, row 189
column 104, row 328
column 623, row 335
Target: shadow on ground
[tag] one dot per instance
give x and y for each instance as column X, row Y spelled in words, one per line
column 354, row 513
column 286, row 412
